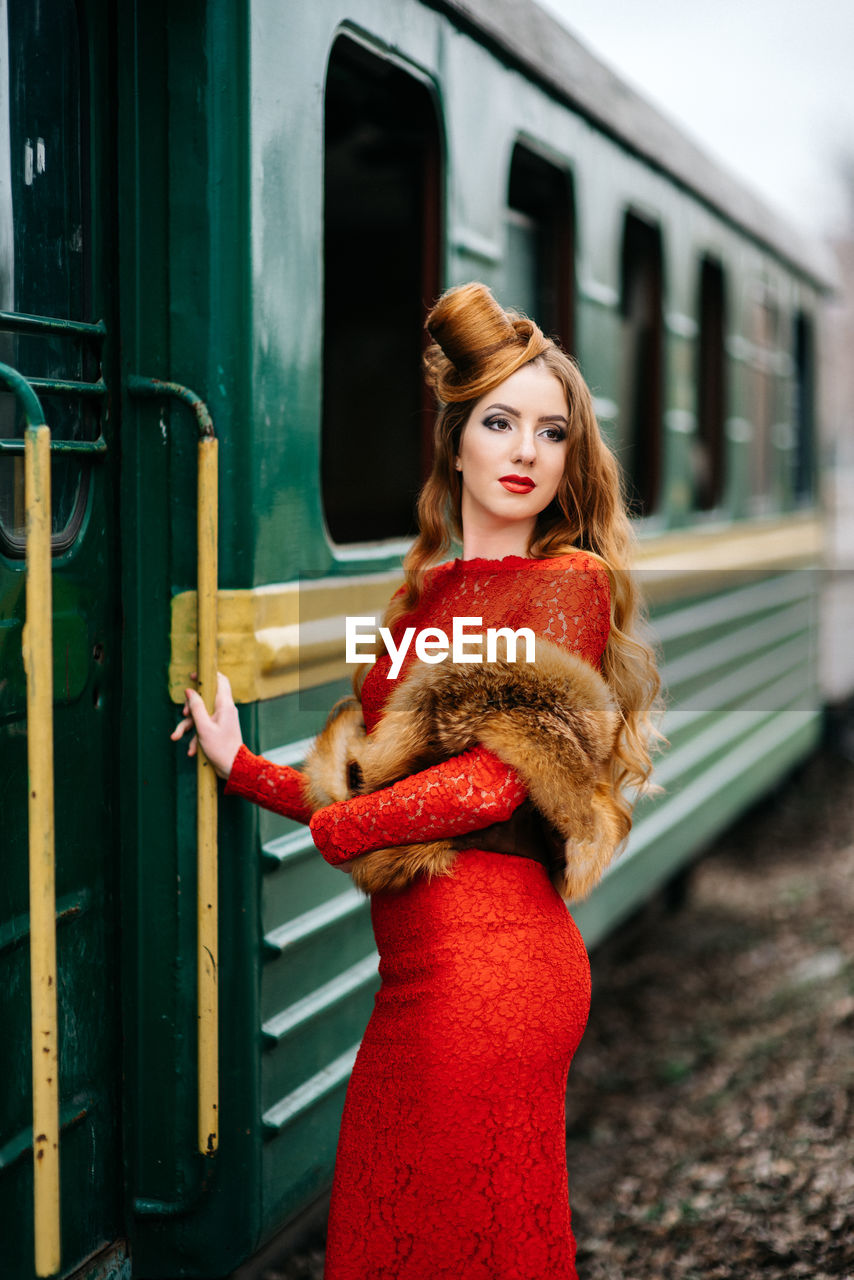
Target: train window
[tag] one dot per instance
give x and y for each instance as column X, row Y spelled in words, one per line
column 540, row 240
column 711, row 387
column 762, row 399
column 804, row 477
column 44, row 240
column 381, row 245
column 642, row 375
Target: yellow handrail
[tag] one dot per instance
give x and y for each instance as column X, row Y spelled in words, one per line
column 207, row 906
column 206, row 810
column 37, row 653
column 38, row 662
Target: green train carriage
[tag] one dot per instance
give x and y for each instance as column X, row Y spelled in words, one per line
column 255, row 203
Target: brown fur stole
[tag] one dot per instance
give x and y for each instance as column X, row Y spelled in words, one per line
column 554, row 721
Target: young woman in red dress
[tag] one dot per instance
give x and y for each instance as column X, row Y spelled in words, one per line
column 451, row 1158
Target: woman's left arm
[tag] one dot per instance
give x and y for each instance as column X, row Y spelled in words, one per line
column 452, row 798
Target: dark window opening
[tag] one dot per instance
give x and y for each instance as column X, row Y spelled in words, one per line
column 45, row 243
column 711, row 387
column 804, row 477
column 763, row 397
column 642, row 373
column 381, row 246
column 540, row 261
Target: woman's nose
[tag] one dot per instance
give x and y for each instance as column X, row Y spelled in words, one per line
column 526, row 449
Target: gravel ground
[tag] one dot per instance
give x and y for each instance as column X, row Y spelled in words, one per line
column 711, row 1104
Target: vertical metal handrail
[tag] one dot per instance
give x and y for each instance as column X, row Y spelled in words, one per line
column 38, row 665
column 206, row 803
column 206, row 812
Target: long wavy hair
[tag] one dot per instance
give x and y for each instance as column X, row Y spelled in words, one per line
column 476, row 345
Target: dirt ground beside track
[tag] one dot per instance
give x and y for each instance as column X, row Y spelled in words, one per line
column 711, row 1104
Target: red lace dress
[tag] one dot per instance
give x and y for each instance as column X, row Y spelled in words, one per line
column 451, row 1158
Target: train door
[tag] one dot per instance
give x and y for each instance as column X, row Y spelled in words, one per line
column 56, row 329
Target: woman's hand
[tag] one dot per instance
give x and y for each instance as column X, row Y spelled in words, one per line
column 219, row 734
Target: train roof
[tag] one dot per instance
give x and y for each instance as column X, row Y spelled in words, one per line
column 524, row 33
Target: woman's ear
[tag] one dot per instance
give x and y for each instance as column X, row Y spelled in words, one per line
column 458, row 464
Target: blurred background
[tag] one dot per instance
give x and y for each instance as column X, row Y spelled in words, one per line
column 764, row 85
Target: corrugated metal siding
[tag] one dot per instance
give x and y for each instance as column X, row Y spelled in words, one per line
column 743, row 706
column 318, row 978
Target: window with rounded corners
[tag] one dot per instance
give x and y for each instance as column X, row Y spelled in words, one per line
column 44, row 245
column 762, row 401
column 641, row 375
column 382, row 260
column 709, row 468
column 803, row 480
column 539, row 275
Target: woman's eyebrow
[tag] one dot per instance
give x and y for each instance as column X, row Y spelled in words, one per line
column 506, row 408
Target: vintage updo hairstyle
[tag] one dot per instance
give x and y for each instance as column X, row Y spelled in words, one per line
column 476, row 345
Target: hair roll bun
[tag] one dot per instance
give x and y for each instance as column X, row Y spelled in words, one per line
column 476, row 343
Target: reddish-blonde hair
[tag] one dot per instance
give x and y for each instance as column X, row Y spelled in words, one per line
column 476, row 345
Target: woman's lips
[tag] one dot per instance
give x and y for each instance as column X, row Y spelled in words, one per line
column 517, row 484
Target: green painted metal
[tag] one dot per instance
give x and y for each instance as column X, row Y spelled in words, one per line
column 59, row 386
column 24, row 394
column 87, row 662
column 80, row 447
column 717, row 797
column 158, row 389
column 72, row 1112
column 740, row 672
column 183, row 288
column 72, row 660
column 16, row 322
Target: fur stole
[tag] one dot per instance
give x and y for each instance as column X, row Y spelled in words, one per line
column 554, row 721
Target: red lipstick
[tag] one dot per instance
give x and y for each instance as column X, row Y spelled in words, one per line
column 517, row 484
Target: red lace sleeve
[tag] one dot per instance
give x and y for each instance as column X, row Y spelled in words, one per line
column 460, row 795
column 273, row 786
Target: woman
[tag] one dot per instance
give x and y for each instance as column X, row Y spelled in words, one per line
column 451, row 1158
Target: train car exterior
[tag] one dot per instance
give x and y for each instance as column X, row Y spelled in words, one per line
column 237, row 213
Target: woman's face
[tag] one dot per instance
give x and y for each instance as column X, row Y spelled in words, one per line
column 512, row 451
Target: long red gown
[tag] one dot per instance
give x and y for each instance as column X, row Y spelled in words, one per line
column 451, row 1157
